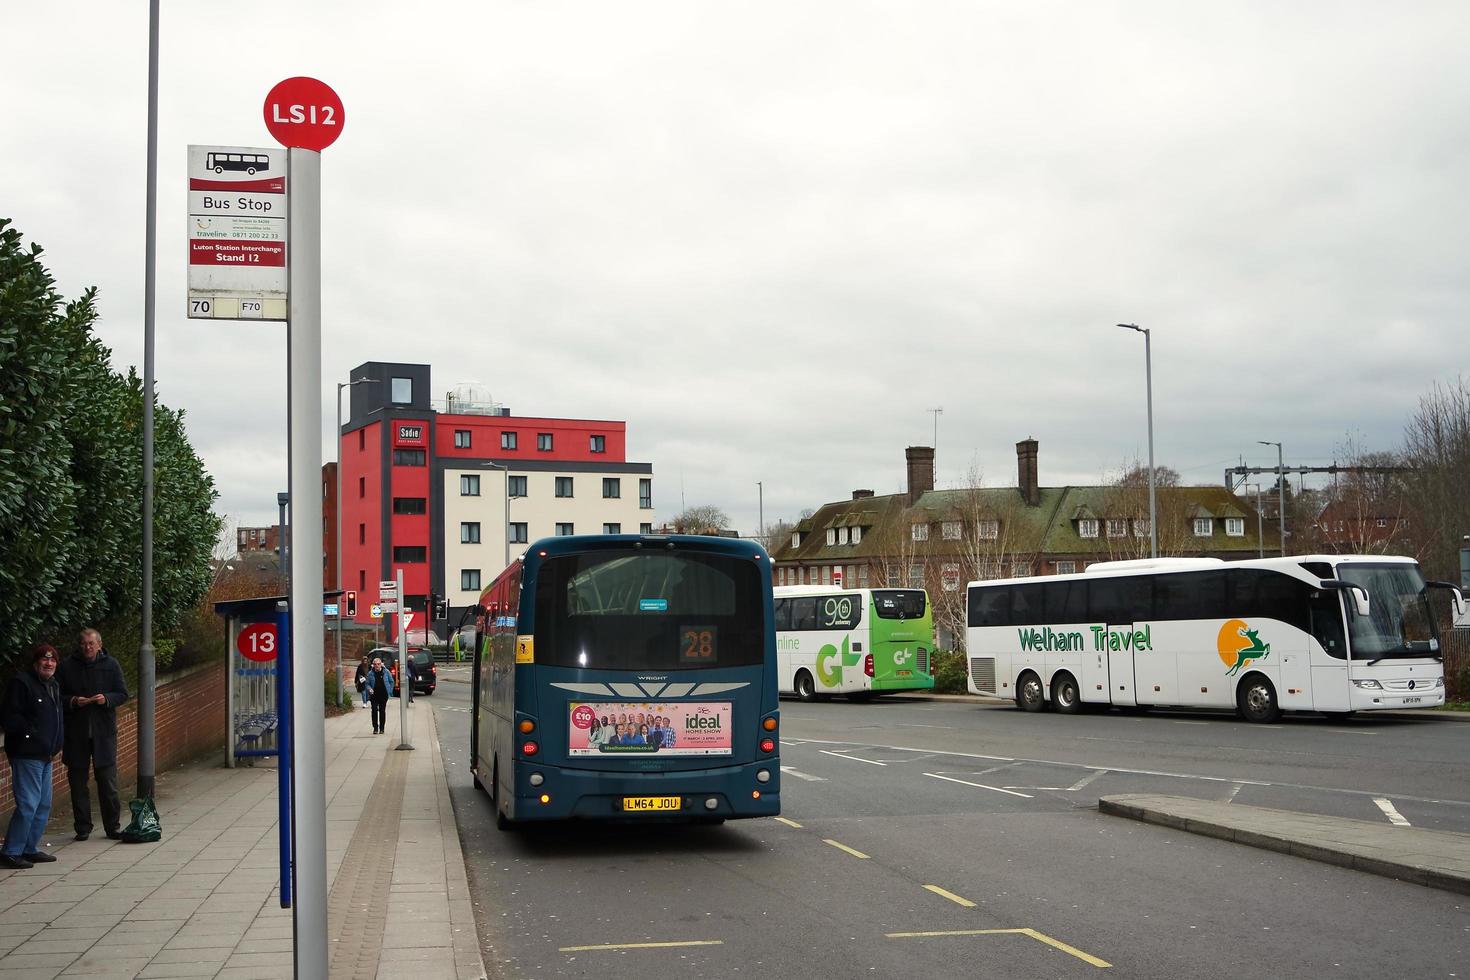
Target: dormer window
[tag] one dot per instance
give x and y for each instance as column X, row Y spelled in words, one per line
column 1087, row 527
column 988, row 530
column 831, row 535
column 1117, row 527
column 796, row 539
column 951, row 530
column 855, row 534
column 919, row 531
column 1235, row 527
column 1204, row 527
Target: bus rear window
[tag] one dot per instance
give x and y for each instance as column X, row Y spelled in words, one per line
column 647, row 611
column 899, row 603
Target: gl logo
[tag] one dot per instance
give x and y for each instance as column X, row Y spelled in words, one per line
column 902, row 657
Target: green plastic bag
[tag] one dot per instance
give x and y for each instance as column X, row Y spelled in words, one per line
column 146, row 827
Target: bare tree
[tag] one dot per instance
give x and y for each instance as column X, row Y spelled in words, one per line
column 1437, row 445
column 702, row 519
column 1361, row 513
column 1126, row 499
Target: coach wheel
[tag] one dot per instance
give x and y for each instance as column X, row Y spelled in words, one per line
column 502, row 822
column 1064, row 694
column 806, row 688
column 1029, row 696
column 1257, row 700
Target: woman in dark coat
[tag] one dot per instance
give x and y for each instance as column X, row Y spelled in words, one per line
column 32, row 718
column 380, row 689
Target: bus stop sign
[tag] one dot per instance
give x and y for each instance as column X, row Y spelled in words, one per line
column 304, row 112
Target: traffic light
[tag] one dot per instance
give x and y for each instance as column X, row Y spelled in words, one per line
column 441, row 607
column 351, row 605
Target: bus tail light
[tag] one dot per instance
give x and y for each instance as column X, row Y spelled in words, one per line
column 529, row 748
column 768, row 745
column 868, row 665
column 769, row 724
column 527, row 726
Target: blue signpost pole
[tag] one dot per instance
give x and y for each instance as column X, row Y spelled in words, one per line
column 283, row 742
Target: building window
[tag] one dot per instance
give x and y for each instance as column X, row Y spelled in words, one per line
column 507, row 440
column 612, row 529
column 988, row 530
column 831, row 535
column 563, row 486
column 1020, row 569
column 564, row 528
column 361, row 579
column 469, row 580
column 469, row 485
column 598, row 444
column 518, row 532
column 403, row 391
column 951, row 530
column 543, row 442
column 361, row 440
column 1087, row 527
column 795, row 539
column 361, row 487
column 408, row 457
column 1117, row 527
column 469, row 532
column 612, row 487
column 410, row 554
column 362, row 534
column 1235, row 527
column 862, row 576
column 857, row 535
column 1382, row 522
column 409, row 505
column 1066, row 568
column 916, row 576
column 517, row 486
column 645, row 494
column 1141, row 528
column 919, row 532
column 461, row 438
column 1204, row 527
column 949, row 575
column 826, row 575
column 645, row 528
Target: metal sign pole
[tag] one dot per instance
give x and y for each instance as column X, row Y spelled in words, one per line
column 307, row 619
column 405, row 686
column 283, row 746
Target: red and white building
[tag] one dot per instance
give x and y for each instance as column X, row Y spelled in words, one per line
column 448, row 497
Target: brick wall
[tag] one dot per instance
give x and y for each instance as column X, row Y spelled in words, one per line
column 189, row 720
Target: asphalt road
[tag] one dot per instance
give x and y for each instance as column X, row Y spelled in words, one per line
column 947, row 839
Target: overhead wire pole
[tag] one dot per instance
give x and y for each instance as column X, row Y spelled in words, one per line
column 1281, row 492
column 147, row 677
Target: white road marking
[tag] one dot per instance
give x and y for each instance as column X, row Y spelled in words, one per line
column 1394, row 816
column 788, row 770
column 1347, row 731
column 1230, row 796
column 1192, row 722
column 966, row 782
column 1084, row 781
column 852, row 758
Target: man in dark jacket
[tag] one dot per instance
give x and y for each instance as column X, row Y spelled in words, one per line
column 92, row 688
column 32, row 719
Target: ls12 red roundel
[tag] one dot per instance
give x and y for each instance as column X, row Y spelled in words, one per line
column 305, row 113
column 259, row 642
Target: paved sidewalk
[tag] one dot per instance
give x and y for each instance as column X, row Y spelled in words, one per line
column 205, row 901
column 1435, row 858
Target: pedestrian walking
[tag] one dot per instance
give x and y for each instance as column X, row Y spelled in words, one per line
column 32, row 719
column 361, row 678
column 413, row 675
column 92, row 689
column 380, row 686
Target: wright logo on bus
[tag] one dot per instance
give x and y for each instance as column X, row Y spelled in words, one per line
column 1238, row 645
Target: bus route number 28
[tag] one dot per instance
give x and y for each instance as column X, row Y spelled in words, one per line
column 697, row 644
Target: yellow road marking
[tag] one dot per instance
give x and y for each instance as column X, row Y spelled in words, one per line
column 844, row 847
column 951, row 896
column 1038, row 936
column 692, row 942
column 1058, row 944
column 789, row 823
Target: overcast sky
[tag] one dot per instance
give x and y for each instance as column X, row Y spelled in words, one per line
column 771, row 236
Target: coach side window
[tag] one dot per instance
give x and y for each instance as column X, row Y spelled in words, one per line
column 783, row 614
column 804, row 613
column 990, row 607
column 1066, row 602
column 1325, row 610
column 1027, row 605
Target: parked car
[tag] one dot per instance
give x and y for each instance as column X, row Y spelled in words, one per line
column 426, row 672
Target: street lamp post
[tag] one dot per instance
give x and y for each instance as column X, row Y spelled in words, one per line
column 1148, row 368
column 760, row 496
column 338, row 504
column 282, row 500
column 1280, row 490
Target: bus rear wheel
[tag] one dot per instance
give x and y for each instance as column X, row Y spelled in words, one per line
column 1064, row 694
column 1257, row 700
column 1029, row 696
column 806, row 688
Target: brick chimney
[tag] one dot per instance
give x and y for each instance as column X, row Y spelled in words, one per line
column 860, row 494
column 921, row 471
column 1026, row 481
